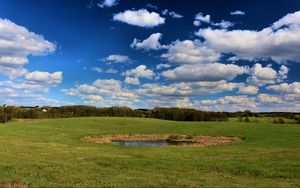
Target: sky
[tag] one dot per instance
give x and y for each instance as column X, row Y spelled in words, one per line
column 209, row 55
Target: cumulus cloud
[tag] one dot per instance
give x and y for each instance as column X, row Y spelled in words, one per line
column 248, row 90
column 290, row 20
column 23, row 98
column 151, row 43
column 171, row 13
column 184, row 103
column 162, row 66
column 266, row 98
column 92, row 97
column 260, row 76
column 141, row 18
column 140, row 71
column 27, row 86
column 223, row 24
column 132, row 81
column 261, row 103
column 38, row 76
column 108, row 3
column 103, row 92
column 107, row 85
column 149, row 5
column 238, row 12
column 293, row 88
column 17, row 43
column 282, row 73
column 100, row 70
column 205, row 72
column 116, row 58
column 190, row 52
column 199, row 18
column 279, row 103
column 97, row 69
column 280, row 42
column 229, row 103
column 12, row 71
column 111, row 71
column 34, row 82
column 186, row 89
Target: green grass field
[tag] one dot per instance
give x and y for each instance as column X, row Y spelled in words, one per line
column 50, row 153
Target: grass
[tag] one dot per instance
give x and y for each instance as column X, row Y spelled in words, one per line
column 50, row 153
column 15, row 183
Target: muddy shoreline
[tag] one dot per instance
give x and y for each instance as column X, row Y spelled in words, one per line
column 197, row 140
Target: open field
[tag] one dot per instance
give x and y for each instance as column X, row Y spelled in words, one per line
column 50, row 153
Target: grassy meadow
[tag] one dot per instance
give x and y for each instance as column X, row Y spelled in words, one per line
column 50, row 153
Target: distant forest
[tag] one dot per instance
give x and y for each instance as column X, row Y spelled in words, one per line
column 178, row 114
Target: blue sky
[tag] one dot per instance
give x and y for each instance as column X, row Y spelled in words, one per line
column 209, row 55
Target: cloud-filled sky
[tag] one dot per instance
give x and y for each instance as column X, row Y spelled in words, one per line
column 210, row 55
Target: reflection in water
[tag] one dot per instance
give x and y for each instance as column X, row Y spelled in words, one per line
column 156, row 143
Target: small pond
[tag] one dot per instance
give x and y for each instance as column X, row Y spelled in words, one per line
column 155, row 143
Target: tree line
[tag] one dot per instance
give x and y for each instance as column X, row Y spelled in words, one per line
column 178, row 114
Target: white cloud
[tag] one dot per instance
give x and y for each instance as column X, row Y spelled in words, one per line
column 229, row 103
column 6, row 90
column 205, row 72
column 290, row 20
column 260, row 76
column 29, row 89
column 141, row 18
column 175, row 15
column 201, row 18
column 132, row 81
column 27, row 86
column 171, row 13
column 293, row 88
column 184, row 103
column 23, row 98
column 266, row 98
column 151, row 43
column 149, row 5
column 248, row 90
column 106, row 92
column 116, row 58
column 108, row 3
column 282, row 73
column 238, row 12
column 12, row 71
column 190, row 52
column 224, row 24
column 140, row 71
column 92, row 97
column 111, row 71
column 16, row 44
column 186, row 89
column 279, row 103
column 97, row 69
column 262, row 102
column 46, row 77
column 197, row 23
column 233, row 59
column 162, row 66
column 107, row 84
column 276, row 42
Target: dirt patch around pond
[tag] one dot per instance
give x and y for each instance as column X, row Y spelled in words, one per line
column 192, row 140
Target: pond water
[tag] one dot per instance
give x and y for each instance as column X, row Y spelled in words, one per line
column 156, row 143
